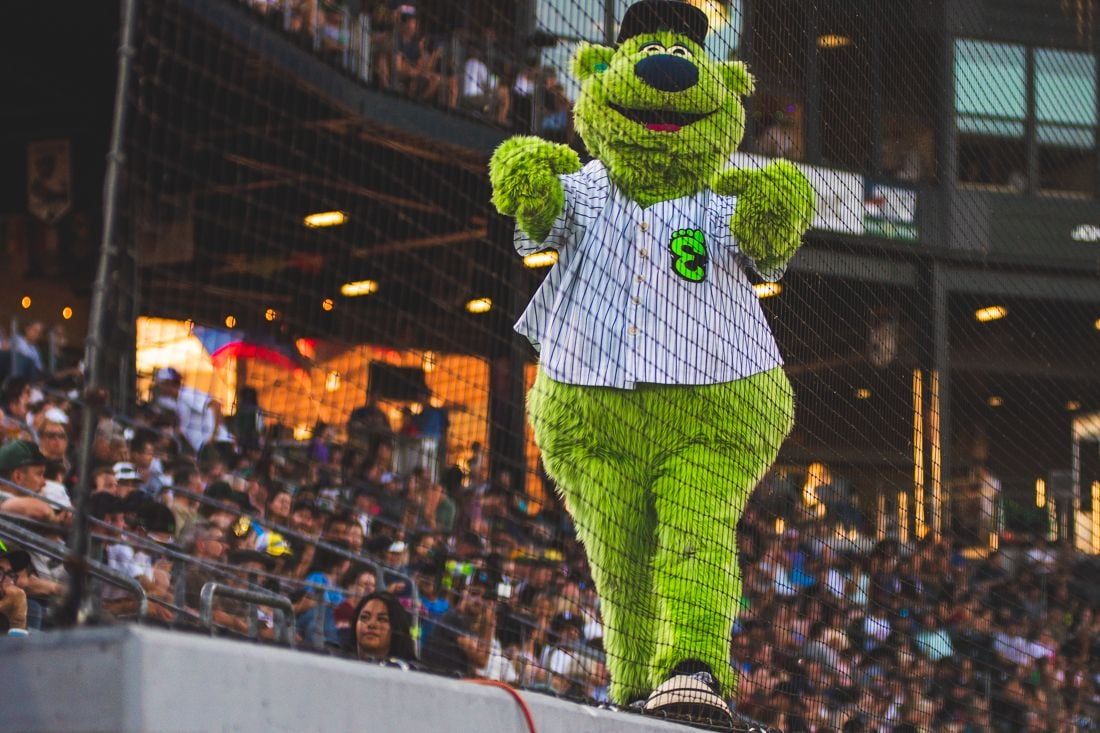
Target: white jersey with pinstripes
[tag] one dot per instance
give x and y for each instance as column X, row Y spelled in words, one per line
column 614, row 312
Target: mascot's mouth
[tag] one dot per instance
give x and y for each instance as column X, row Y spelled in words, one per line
column 659, row 120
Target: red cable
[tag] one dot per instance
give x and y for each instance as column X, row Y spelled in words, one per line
column 515, row 694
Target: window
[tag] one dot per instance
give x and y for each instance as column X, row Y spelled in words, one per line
column 909, row 86
column 776, row 110
column 1065, row 120
column 991, row 112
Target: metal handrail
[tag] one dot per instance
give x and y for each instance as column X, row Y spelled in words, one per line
column 224, row 570
column 58, row 551
column 284, row 624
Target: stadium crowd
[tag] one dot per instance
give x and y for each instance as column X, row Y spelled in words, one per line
column 445, row 55
column 466, row 575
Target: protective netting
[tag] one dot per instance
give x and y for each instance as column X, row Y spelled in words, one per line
column 814, row 445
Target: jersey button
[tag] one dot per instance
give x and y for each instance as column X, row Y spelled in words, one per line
column 635, row 300
column 643, row 252
column 640, row 278
column 644, row 226
column 632, row 330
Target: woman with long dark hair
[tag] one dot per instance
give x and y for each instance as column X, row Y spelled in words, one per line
column 381, row 630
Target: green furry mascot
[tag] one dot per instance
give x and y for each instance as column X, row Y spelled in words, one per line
column 660, row 400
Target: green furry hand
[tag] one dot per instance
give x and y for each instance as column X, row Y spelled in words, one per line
column 524, row 174
column 775, row 207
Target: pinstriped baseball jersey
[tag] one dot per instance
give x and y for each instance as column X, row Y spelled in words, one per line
column 645, row 295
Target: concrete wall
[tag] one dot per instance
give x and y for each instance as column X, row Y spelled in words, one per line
column 128, row 679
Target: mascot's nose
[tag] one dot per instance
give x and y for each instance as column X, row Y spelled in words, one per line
column 667, row 73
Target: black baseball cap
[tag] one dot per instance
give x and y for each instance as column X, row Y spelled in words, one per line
column 651, row 16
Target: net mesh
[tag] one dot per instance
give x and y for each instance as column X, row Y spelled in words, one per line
column 852, row 486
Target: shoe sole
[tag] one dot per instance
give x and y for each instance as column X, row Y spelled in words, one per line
column 685, row 697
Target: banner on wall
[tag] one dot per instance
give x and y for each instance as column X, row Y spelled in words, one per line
column 840, row 194
column 890, row 211
column 49, row 180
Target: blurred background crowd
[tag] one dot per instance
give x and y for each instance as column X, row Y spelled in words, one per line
column 451, row 569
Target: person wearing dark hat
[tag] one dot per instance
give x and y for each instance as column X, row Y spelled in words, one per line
column 228, row 507
column 463, row 639
column 22, row 466
column 13, row 599
column 657, row 235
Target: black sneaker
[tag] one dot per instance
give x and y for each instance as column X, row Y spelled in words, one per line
column 691, row 693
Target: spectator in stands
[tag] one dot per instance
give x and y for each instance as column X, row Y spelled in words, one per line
column 27, row 343
column 327, row 569
column 209, row 544
column 143, row 456
column 199, row 414
column 13, row 600
column 383, row 22
column 368, row 426
column 463, row 638
column 52, row 428
column 416, row 63
column 479, row 90
column 22, row 466
column 53, row 490
column 127, row 479
column 382, row 630
column 223, row 513
column 15, row 400
column 279, row 506
column 182, row 502
column 360, row 583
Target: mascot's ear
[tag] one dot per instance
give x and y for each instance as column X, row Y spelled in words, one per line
column 591, row 59
column 738, row 78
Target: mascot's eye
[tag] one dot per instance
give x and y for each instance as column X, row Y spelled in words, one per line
column 680, row 51
column 653, row 48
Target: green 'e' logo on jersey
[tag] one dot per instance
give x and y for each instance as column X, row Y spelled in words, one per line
column 689, row 254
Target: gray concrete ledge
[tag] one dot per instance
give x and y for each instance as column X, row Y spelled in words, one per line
column 129, row 679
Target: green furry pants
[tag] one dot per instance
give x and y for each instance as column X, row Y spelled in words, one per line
column 656, row 479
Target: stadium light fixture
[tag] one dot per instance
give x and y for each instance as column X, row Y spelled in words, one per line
column 358, row 288
column 327, row 305
column 66, row 313
column 990, row 313
column 26, row 302
column 863, row 393
column 540, row 259
column 230, row 321
column 271, row 314
column 767, row 290
column 323, row 219
column 833, row 40
column 1097, row 324
column 479, row 305
column 995, row 400
column 1073, row 405
column 1040, row 493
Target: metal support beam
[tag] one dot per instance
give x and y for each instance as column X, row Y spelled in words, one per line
column 69, row 610
column 940, row 404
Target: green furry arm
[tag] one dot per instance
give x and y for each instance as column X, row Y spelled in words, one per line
column 524, row 174
column 775, row 207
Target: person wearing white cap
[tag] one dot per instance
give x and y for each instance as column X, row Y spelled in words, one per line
column 199, row 414
column 127, row 477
